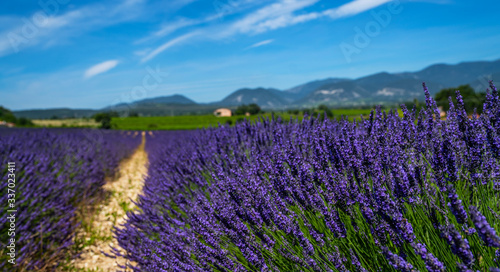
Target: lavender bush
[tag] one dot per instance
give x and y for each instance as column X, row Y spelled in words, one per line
column 411, row 193
column 55, row 171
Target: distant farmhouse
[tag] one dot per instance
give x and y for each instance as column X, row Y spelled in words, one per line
column 223, row 112
column 442, row 113
column 6, row 124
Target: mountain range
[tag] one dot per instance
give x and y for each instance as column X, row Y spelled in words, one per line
column 379, row 88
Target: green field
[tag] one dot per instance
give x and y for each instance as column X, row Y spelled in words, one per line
column 204, row 121
column 178, row 122
column 185, row 122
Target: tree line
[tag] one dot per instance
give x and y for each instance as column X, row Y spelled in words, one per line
column 7, row 116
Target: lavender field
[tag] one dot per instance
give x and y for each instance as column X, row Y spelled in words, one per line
column 56, row 172
column 383, row 194
column 249, row 135
column 387, row 193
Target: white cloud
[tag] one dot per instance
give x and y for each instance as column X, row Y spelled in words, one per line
column 270, row 17
column 172, row 27
column 353, row 8
column 100, row 68
column 221, row 9
column 260, row 44
column 169, row 28
column 283, row 14
column 29, row 33
column 277, row 15
column 168, row 44
column 39, row 29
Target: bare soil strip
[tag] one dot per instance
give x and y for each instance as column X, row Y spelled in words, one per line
column 112, row 212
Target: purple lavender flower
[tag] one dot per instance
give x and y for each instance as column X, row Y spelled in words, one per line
column 338, row 260
column 431, row 262
column 356, row 263
column 485, row 231
column 456, row 206
column 55, row 170
column 463, row 268
column 468, row 231
column 219, row 196
column 459, row 246
column 396, row 261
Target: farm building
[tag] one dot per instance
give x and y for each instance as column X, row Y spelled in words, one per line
column 6, row 124
column 442, row 113
column 223, row 112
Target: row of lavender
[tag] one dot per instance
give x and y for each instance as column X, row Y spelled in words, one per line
column 55, row 171
column 410, row 193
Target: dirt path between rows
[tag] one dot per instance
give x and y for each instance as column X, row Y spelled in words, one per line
column 112, row 212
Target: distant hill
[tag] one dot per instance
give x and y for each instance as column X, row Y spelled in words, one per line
column 172, row 99
column 163, row 105
column 458, row 74
column 303, row 90
column 346, row 93
column 383, row 87
column 266, row 98
column 378, row 88
column 160, row 101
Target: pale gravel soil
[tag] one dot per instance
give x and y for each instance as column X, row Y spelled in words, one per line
column 125, row 188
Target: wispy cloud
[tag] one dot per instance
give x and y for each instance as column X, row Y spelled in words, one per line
column 100, row 68
column 169, row 28
column 221, row 9
column 26, row 33
column 167, row 45
column 262, row 43
column 280, row 14
column 270, row 17
column 284, row 14
column 47, row 30
column 353, row 8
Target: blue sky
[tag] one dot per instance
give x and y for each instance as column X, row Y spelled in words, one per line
column 91, row 54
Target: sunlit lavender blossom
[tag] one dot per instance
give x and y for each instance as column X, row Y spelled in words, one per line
column 459, row 246
column 431, row 262
column 485, row 231
column 456, row 206
column 396, row 261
